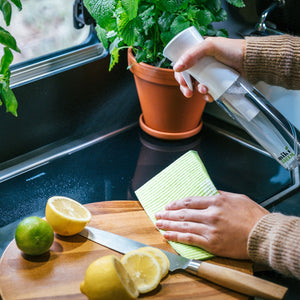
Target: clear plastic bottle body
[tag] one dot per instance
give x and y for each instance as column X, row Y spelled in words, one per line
column 240, row 100
column 270, row 129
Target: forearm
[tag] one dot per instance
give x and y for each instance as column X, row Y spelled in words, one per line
column 273, row 59
column 275, row 241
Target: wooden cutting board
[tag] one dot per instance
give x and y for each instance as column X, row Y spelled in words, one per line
column 57, row 274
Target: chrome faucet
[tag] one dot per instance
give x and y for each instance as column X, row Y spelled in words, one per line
column 261, row 28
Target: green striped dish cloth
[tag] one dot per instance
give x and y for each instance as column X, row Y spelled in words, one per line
column 185, row 177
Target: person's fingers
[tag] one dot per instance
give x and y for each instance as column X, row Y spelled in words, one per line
column 186, row 91
column 201, row 216
column 191, row 203
column 191, row 56
column 208, row 98
column 180, row 79
column 202, row 89
column 228, row 51
column 187, row 238
column 184, row 227
column 190, row 233
column 183, row 85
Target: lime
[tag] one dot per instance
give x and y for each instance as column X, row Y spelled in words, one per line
column 107, row 279
column 34, row 236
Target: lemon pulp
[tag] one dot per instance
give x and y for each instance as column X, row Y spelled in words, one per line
column 66, row 216
column 160, row 257
column 143, row 268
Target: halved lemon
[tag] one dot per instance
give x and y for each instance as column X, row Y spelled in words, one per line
column 160, row 257
column 143, row 268
column 66, row 216
column 107, row 279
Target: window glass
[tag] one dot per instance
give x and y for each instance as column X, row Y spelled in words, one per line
column 44, row 26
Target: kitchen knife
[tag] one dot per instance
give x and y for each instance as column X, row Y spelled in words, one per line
column 226, row 277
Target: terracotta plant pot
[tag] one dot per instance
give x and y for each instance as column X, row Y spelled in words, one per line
column 166, row 113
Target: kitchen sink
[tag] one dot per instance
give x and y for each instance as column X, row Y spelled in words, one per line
column 113, row 166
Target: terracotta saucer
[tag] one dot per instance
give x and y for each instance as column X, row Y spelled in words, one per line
column 169, row 135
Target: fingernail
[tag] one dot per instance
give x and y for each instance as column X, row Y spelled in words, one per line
column 158, row 215
column 208, row 98
column 158, row 223
column 166, row 235
column 202, row 89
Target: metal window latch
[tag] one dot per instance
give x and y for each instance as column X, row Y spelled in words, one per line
column 81, row 16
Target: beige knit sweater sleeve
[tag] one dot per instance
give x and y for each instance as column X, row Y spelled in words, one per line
column 275, row 241
column 273, row 59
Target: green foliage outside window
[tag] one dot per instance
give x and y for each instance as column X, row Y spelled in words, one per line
column 9, row 43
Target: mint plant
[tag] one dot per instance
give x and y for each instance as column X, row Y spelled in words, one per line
column 148, row 25
column 9, row 43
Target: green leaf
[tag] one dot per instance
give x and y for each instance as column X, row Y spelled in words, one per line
column 210, row 30
column 9, row 99
column 130, row 7
column 166, row 37
column 6, row 60
column 101, row 10
column 149, row 44
column 204, row 17
column 128, row 30
column 179, row 24
column 148, row 20
column 165, row 21
column 222, row 32
column 237, row 3
column 140, row 55
column 139, row 41
column 101, row 33
column 171, row 5
column 213, row 5
column 5, row 7
column 221, row 15
column 8, row 40
column 185, row 4
column 17, row 3
column 114, row 57
column 202, row 29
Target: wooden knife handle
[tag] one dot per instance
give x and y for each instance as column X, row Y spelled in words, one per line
column 237, row 281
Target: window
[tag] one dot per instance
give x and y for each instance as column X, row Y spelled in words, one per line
column 43, row 27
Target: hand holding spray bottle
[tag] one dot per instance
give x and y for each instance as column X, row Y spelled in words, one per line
column 240, row 100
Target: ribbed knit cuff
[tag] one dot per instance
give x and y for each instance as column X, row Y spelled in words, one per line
column 275, row 241
column 273, row 59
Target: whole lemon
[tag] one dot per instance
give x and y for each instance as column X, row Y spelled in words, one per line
column 34, row 236
column 107, row 279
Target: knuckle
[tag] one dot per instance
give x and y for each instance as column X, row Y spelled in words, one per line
column 209, row 41
column 189, row 238
column 187, row 202
column 214, row 243
column 189, row 55
column 182, row 215
column 186, row 227
column 218, row 200
column 214, row 216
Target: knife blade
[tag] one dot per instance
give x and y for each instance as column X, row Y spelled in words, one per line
column 226, row 277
